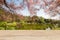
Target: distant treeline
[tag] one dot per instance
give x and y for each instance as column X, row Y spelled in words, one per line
column 13, row 21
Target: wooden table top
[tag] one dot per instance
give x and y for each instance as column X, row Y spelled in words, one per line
column 29, row 35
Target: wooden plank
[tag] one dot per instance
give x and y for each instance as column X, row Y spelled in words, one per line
column 29, row 35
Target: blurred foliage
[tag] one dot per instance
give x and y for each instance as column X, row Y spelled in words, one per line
column 9, row 21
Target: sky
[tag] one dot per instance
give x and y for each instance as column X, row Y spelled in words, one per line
column 25, row 12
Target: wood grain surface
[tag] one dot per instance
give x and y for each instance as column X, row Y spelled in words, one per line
column 29, row 35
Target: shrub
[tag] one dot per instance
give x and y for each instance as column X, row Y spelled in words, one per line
column 11, row 24
column 3, row 24
column 2, row 28
column 10, row 28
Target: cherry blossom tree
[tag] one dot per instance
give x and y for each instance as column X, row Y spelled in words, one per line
column 51, row 7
